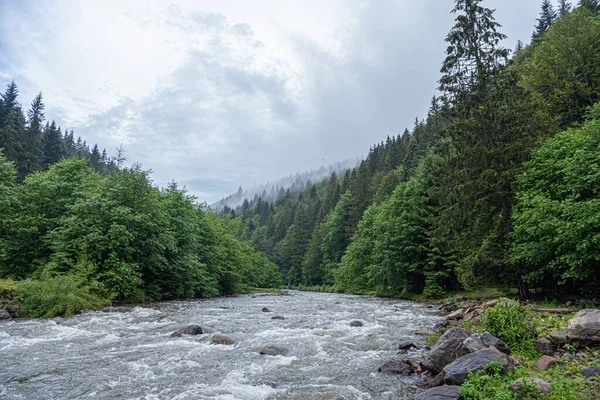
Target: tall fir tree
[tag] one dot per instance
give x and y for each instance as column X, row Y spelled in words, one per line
column 33, row 152
column 53, row 145
column 592, row 5
column 564, row 8
column 547, row 17
column 474, row 58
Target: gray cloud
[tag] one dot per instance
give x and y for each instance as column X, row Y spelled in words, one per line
column 232, row 112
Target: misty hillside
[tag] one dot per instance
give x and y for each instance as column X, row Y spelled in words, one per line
column 295, row 183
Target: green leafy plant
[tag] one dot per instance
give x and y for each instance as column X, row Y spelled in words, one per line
column 62, row 295
column 510, row 321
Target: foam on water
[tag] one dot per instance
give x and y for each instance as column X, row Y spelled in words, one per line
column 129, row 353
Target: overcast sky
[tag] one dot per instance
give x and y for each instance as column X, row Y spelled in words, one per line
column 218, row 93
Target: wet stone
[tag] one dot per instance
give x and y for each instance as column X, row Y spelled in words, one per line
column 188, row 330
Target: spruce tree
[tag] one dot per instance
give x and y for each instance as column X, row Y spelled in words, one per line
column 33, row 152
column 53, row 146
column 564, row 8
column 474, row 58
column 11, row 123
column 547, row 17
column 592, row 5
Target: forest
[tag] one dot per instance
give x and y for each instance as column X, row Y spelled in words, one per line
column 78, row 229
column 498, row 186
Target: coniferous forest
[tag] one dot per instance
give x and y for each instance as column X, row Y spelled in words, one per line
column 499, row 185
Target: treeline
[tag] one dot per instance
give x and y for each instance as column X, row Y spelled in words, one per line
column 121, row 236
column 33, row 144
column 271, row 190
column 479, row 193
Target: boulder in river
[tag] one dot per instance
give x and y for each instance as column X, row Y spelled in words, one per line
column 356, row 323
column 524, row 386
column 457, row 371
column 265, row 309
column 584, row 327
column 278, row 317
column 274, row 351
column 222, row 339
column 4, row 314
column 395, row 368
column 408, row 346
column 188, row 330
column 447, row 349
column 445, row 392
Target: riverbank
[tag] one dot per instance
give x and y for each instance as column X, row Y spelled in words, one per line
column 549, row 354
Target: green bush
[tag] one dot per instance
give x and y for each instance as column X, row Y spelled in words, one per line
column 63, row 295
column 510, row 321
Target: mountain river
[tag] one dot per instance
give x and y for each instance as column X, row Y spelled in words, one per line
column 129, row 353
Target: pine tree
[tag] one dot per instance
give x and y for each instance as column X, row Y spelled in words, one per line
column 474, row 58
column 519, row 47
column 592, row 5
column 12, row 123
column 564, row 8
column 53, row 146
column 547, row 17
column 33, row 152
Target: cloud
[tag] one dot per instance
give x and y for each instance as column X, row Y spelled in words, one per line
column 199, row 97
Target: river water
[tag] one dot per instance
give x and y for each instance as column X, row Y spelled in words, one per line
column 129, row 353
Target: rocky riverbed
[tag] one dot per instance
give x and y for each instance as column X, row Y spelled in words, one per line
column 307, row 346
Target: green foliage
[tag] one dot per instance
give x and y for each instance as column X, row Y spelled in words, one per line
column 139, row 242
column 557, row 236
column 433, row 338
column 510, row 321
column 62, row 295
column 563, row 73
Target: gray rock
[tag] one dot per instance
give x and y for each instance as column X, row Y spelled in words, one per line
column 4, row 314
column 457, row 371
column 274, row 351
column 440, row 393
column 408, row 346
column 591, row 371
column 523, row 386
column 440, row 326
column 492, row 341
column 356, row 324
column 482, row 341
column 584, row 327
column 544, row 362
column 438, row 380
column 395, row 368
column 222, row 339
column 188, row 330
column 447, row 349
column 557, row 337
column 456, row 315
column 13, row 309
column 278, row 317
column 544, row 346
column 265, row 309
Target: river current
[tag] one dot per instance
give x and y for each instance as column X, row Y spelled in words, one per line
column 129, row 353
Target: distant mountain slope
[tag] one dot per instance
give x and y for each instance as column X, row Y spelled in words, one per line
column 295, row 183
